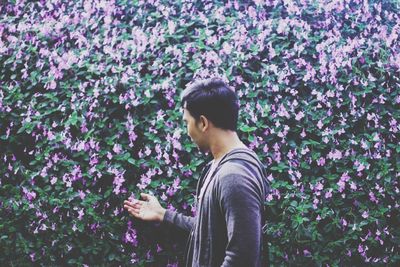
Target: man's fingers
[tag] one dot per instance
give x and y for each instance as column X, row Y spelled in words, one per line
column 134, row 212
column 136, row 203
column 133, row 201
column 136, row 207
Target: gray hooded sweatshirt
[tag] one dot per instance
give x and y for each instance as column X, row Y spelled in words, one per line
column 227, row 228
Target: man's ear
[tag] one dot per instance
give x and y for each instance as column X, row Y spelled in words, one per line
column 204, row 123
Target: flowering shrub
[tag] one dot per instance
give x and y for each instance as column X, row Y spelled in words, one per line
column 90, row 115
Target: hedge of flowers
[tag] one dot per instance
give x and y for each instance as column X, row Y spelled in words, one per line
column 90, row 116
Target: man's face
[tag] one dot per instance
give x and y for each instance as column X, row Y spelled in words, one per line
column 194, row 130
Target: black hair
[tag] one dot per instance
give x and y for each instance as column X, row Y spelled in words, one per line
column 215, row 100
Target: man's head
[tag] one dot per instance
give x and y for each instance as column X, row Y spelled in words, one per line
column 209, row 104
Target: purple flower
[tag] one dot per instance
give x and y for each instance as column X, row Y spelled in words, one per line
column 29, row 195
column 328, row 194
column 365, row 214
column 342, row 182
column 321, row 161
column 53, row 180
column 117, row 148
column 131, row 237
column 299, row 116
column 372, row 197
column 335, row 154
column 80, row 214
column 118, row 180
column 145, row 180
column 226, row 48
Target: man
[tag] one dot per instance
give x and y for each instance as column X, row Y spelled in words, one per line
column 227, row 228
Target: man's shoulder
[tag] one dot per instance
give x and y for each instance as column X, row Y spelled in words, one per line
column 238, row 168
column 241, row 160
column 234, row 177
column 232, row 166
column 243, row 164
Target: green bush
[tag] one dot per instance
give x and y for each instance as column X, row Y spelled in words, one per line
column 90, row 115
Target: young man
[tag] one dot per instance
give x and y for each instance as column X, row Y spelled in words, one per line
column 227, row 228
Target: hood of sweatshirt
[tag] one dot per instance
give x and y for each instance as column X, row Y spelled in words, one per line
column 248, row 156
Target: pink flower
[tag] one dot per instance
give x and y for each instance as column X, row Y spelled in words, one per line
column 80, row 214
column 360, row 248
column 353, row 186
column 365, row 214
column 53, row 180
column 315, row 203
column 131, row 237
column 360, row 167
column 147, row 151
column 328, row 194
column 372, row 197
column 171, row 27
column 341, row 185
column 226, row 48
column 52, row 85
column 303, row 133
column 336, row 154
column 81, row 194
column 320, row 124
column 299, row 116
column 80, row 146
column 321, row 161
column 252, row 12
column 50, row 135
column 306, row 253
column 84, row 129
column 319, row 186
column 30, row 195
column 118, row 181
column 117, row 148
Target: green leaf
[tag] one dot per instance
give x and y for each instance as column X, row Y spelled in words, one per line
column 132, row 161
column 73, row 119
column 247, row 129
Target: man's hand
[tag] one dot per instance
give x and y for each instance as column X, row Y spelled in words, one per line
column 147, row 210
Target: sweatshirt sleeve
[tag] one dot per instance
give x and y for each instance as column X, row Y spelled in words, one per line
column 179, row 220
column 241, row 205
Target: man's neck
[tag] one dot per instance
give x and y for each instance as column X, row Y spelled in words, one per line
column 223, row 142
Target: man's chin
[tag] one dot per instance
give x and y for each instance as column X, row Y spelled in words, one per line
column 203, row 149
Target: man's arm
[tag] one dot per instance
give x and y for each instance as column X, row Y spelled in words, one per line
column 241, row 205
column 179, row 220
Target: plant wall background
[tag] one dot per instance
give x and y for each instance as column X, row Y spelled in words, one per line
column 90, row 115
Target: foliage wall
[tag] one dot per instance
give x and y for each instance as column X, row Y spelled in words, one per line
column 90, row 115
